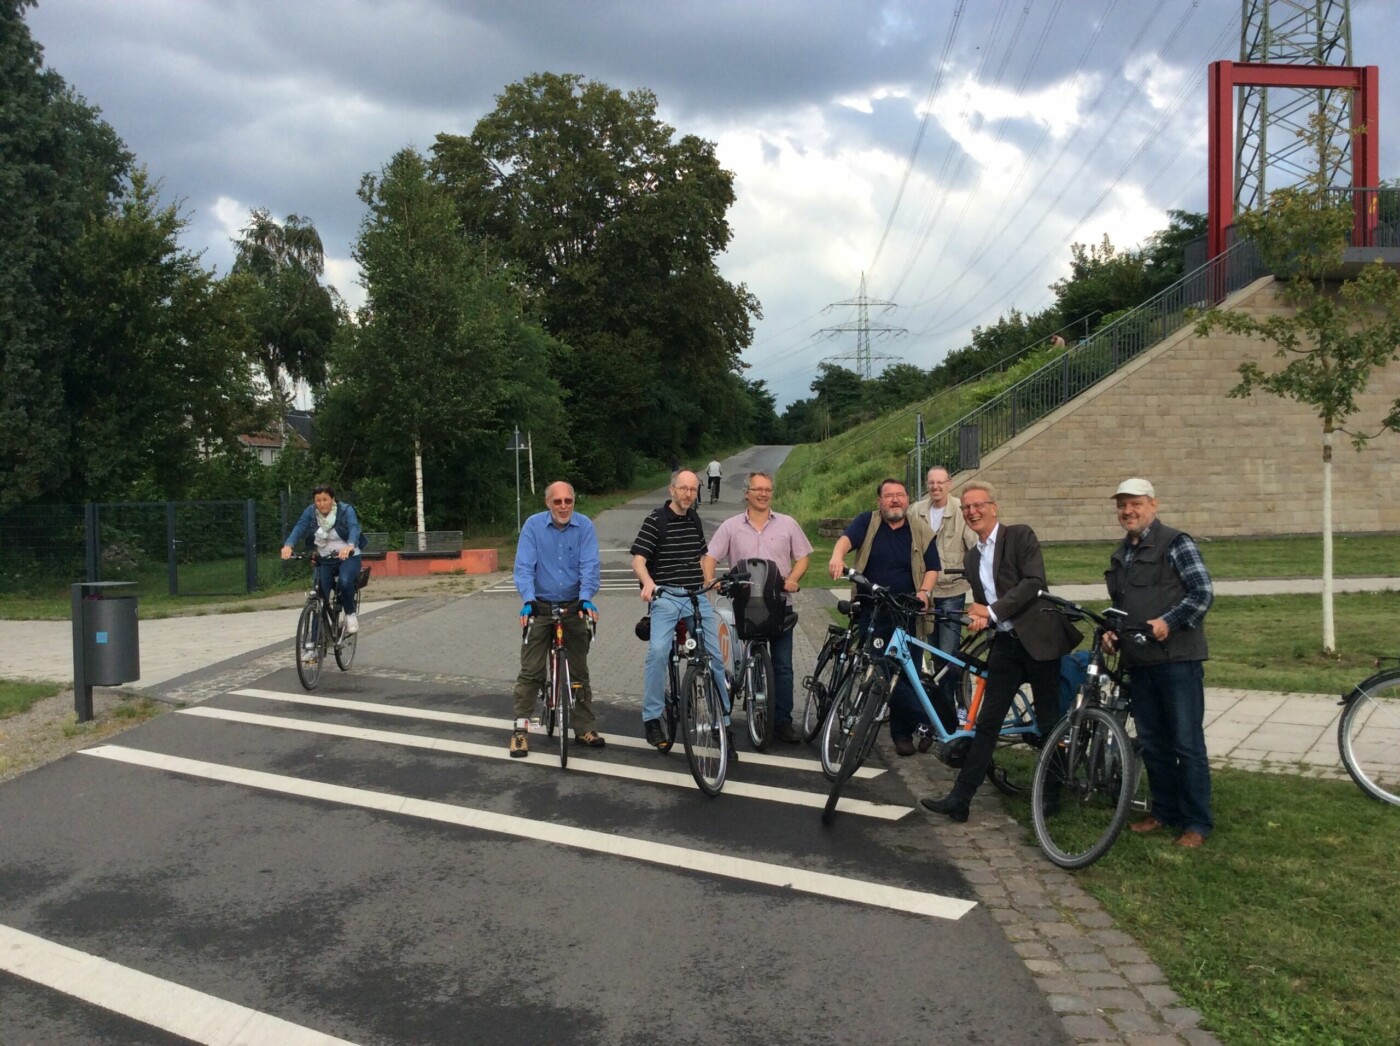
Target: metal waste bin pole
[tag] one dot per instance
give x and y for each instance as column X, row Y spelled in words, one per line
column 106, row 646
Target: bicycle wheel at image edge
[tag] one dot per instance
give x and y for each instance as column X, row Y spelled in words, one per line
column 839, row 721
column 702, row 731
column 1083, row 788
column 762, row 690
column 562, row 696
column 310, row 646
column 1367, row 736
column 870, row 698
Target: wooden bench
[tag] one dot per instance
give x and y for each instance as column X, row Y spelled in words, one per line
column 431, row 544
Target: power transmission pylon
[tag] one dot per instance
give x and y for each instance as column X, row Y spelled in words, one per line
column 1268, row 152
column 863, row 329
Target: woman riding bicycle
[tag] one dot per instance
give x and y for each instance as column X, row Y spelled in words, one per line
column 332, row 530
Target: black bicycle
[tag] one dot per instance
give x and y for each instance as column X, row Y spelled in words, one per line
column 833, row 669
column 1368, row 734
column 1088, row 772
column 692, row 701
column 321, row 628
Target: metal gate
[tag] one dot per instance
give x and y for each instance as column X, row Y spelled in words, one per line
column 196, row 548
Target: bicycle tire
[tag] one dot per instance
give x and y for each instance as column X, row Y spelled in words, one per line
column 309, row 632
column 703, row 734
column 838, row 718
column 1083, row 788
column 562, row 697
column 872, row 696
column 762, row 689
column 550, row 713
column 345, row 651
column 819, row 690
column 1366, row 736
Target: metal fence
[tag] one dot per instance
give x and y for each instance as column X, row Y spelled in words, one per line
column 961, row 445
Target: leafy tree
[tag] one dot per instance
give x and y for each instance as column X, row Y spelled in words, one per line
column 442, row 364
column 294, row 316
column 59, row 164
column 1165, row 250
column 612, row 225
column 1334, row 336
column 1102, row 280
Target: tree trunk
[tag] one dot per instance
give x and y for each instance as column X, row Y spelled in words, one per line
column 418, row 492
column 1329, row 632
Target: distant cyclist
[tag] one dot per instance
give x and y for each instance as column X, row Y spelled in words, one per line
column 556, row 564
column 713, row 472
column 332, row 530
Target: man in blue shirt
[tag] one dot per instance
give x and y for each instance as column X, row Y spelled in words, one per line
column 556, row 563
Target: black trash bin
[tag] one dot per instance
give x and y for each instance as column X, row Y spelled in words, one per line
column 106, row 641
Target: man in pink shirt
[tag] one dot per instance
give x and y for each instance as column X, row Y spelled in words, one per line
column 760, row 533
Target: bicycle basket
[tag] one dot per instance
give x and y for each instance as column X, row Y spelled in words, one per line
column 760, row 611
column 363, row 579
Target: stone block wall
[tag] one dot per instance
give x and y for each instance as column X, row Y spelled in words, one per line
column 1222, row 467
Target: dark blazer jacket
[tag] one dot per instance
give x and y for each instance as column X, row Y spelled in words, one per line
column 1020, row 575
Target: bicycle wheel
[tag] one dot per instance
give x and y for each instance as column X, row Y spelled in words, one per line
column 311, row 646
column 706, row 744
column 871, row 697
column 563, row 696
column 762, row 692
column 819, row 687
column 839, row 722
column 550, row 712
column 345, row 651
column 1083, row 788
column 1368, row 735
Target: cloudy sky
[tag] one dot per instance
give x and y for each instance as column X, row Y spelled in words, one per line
column 950, row 150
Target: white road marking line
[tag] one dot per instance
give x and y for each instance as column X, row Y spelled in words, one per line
column 142, row 997
column 614, row 741
column 548, row 758
column 896, row 898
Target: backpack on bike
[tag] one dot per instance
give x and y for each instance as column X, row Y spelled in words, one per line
column 760, row 609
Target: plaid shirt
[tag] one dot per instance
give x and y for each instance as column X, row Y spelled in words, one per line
column 1186, row 560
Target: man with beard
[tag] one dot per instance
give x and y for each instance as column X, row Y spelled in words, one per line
column 897, row 550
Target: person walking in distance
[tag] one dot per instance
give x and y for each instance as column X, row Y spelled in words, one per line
column 953, row 537
column 760, row 533
column 666, row 559
column 1156, row 575
column 556, row 564
column 1007, row 573
column 895, row 549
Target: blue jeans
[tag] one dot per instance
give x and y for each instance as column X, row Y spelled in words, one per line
column 342, row 574
column 1169, row 707
column 948, row 638
column 906, row 713
column 668, row 607
column 781, row 650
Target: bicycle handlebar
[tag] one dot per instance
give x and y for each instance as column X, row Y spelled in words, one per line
column 1111, row 620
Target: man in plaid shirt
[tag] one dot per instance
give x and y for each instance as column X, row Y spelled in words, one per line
column 1157, row 576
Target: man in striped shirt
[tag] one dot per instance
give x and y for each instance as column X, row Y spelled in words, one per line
column 666, row 559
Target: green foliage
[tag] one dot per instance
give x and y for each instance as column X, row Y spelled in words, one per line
column 17, row 695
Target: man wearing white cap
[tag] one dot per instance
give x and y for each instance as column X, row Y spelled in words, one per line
column 1157, row 576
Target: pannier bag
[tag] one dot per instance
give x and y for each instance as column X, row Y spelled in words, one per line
column 759, row 607
column 362, row 579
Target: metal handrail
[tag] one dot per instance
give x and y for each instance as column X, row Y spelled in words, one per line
column 961, row 445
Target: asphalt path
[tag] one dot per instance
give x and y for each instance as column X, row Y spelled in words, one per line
column 366, row 864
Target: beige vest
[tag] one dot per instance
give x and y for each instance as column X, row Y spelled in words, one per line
column 954, row 538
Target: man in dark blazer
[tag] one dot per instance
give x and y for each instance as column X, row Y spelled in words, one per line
column 1007, row 573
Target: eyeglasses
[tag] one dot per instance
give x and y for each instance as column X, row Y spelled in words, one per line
column 969, row 506
column 686, row 490
column 760, row 490
column 561, row 501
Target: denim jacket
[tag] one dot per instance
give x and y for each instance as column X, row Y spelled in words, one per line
column 347, row 527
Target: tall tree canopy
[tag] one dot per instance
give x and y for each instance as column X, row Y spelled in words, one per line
column 614, row 225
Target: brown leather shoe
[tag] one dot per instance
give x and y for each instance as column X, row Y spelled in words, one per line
column 1147, row 824
column 904, row 746
column 1190, row 840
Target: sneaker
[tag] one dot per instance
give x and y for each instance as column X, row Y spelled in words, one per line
column 656, row 737
column 785, row 731
column 352, row 624
column 519, row 744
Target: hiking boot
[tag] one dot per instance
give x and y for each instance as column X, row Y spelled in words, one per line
column 656, row 737
column 519, row 744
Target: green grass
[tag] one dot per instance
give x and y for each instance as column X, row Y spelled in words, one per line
column 17, row 695
column 1281, row 929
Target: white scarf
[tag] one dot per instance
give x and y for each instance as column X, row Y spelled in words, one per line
column 327, row 524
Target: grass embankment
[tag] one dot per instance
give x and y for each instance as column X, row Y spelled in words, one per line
column 17, row 695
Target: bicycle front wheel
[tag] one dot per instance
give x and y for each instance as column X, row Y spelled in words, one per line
column 1369, row 737
column 550, row 711
column 561, row 711
column 311, row 646
column 819, row 686
column 839, row 722
column 762, row 690
column 871, row 697
column 1083, row 788
column 706, row 743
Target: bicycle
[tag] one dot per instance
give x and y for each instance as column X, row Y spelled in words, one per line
column 1368, row 730
column 834, row 666
column 555, row 702
column 691, row 700
column 895, row 662
column 748, row 666
column 1088, row 772
column 321, row 625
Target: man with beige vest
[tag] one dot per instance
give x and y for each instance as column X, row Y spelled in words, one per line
column 953, row 537
column 895, row 549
